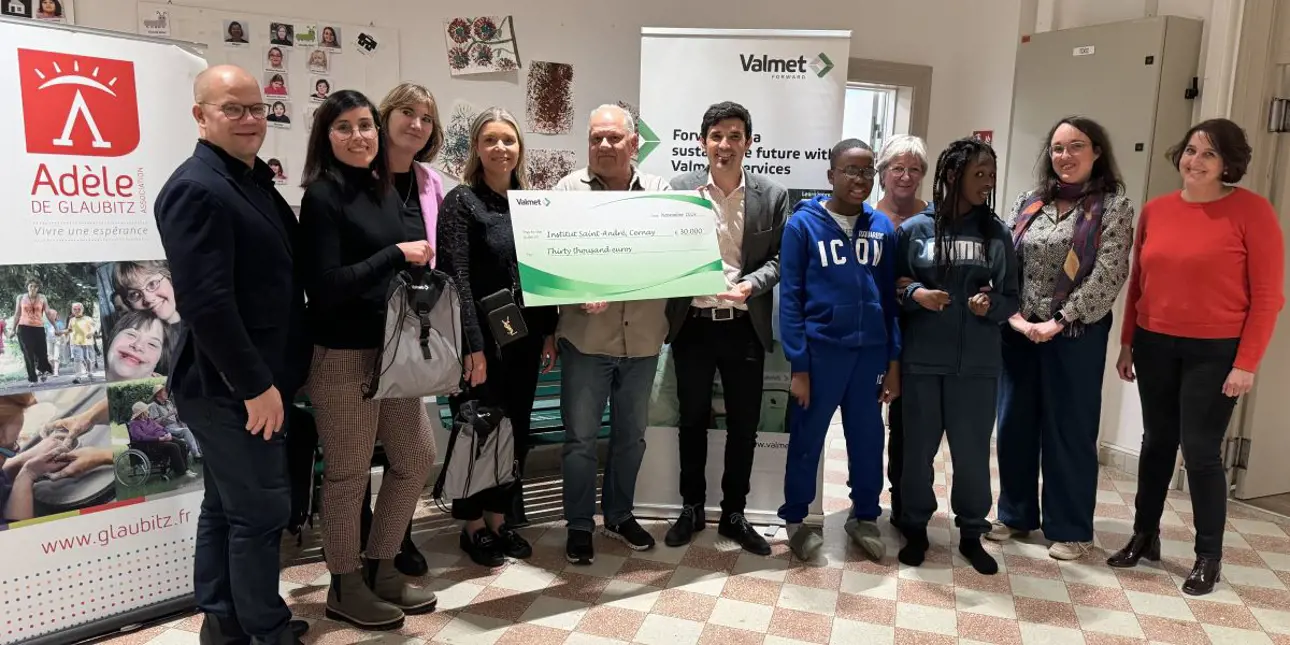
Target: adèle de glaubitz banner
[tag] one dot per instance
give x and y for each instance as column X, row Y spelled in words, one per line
column 91, row 529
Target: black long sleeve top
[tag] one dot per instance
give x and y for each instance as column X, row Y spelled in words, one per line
column 350, row 236
column 477, row 249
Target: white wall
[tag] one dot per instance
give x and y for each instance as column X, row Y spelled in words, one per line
column 969, row 43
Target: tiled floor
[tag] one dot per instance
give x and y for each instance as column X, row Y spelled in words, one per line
column 712, row 593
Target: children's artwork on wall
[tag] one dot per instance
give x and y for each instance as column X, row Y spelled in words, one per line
column 322, row 89
column 309, row 118
column 275, row 84
column 547, row 166
column 481, row 45
column 306, row 35
column 456, row 140
column 329, row 38
column 275, row 59
column 549, row 105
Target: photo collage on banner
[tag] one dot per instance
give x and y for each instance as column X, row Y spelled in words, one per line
column 85, row 350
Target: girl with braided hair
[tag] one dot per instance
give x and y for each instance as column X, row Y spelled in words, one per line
column 959, row 264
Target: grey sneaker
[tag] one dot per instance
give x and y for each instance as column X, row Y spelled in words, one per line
column 1000, row 532
column 865, row 534
column 805, row 542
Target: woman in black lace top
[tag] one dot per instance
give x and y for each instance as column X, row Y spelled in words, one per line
column 478, row 250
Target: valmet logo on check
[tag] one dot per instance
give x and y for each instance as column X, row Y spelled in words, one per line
column 786, row 67
column 525, row 201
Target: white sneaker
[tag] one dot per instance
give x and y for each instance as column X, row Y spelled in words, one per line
column 1000, row 532
column 1069, row 550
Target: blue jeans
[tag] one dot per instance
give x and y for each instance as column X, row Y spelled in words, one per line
column 587, row 382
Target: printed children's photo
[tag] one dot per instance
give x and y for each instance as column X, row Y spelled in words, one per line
column 235, row 32
column 50, row 335
column 275, row 59
column 279, row 167
column 275, row 84
column 306, row 35
column 279, row 115
column 318, row 62
column 309, row 118
column 281, row 34
column 154, row 452
column 50, row 10
column 329, row 38
column 322, row 89
column 57, row 453
column 140, row 316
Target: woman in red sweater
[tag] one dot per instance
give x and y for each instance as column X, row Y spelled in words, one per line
column 1204, row 296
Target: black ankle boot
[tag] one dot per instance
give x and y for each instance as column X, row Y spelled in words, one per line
column 1141, row 545
column 409, row 561
column 1204, row 575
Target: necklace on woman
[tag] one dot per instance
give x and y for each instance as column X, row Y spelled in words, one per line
column 412, row 182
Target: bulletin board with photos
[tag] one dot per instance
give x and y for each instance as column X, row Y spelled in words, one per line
column 57, row 11
column 299, row 62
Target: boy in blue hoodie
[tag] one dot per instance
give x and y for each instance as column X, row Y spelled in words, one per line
column 838, row 322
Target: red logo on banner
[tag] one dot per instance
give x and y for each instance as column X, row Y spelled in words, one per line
column 78, row 105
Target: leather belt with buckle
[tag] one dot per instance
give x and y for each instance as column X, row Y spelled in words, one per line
column 717, row 314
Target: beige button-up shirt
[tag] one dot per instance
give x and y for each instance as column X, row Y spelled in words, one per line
column 631, row 329
column 730, row 238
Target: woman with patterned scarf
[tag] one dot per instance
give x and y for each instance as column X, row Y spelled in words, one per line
column 1073, row 233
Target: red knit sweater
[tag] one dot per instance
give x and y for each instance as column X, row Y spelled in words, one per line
column 1212, row 270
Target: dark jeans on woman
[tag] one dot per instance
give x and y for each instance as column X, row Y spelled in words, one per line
column 511, row 383
column 35, row 353
column 1050, row 407
column 1180, row 382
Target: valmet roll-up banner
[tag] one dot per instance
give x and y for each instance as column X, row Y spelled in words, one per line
column 100, row 484
column 793, row 84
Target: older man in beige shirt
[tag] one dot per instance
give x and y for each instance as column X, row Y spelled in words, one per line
column 608, row 353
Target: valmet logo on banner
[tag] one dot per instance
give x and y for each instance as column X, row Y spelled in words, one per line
column 78, row 105
column 786, row 67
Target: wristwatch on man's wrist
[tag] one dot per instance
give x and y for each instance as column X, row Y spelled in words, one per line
column 1059, row 318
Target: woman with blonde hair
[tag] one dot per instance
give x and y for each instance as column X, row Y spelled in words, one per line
column 413, row 138
column 479, row 253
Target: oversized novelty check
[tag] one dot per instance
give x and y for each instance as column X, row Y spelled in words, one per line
column 594, row 246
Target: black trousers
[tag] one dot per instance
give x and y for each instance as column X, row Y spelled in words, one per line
column 246, row 507
column 895, row 453
column 511, row 383
column 35, row 353
column 701, row 349
column 1180, row 382
column 962, row 408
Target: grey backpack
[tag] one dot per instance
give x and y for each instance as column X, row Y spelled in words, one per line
column 480, row 455
column 420, row 355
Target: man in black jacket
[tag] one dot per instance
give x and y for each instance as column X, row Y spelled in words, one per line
column 241, row 355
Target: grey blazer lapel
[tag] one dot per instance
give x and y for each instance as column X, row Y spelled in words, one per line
column 754, row 221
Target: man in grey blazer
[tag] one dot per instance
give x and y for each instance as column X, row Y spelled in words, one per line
column 729, row 332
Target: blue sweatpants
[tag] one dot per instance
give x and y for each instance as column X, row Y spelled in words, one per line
column 839, row 377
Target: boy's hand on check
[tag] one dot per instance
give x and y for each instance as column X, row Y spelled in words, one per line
column 738, row 295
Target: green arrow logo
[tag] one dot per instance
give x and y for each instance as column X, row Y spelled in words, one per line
column 821, row 65
column 546, row 201
column 649, row 141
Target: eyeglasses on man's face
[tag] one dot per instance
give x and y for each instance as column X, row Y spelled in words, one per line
column 235, row 111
